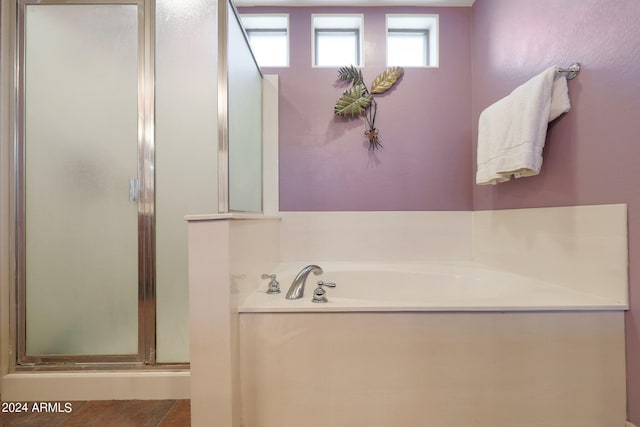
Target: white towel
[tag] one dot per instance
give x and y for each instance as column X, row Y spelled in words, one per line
column 512, row 132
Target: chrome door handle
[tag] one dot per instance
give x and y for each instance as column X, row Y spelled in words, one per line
column 134, row 189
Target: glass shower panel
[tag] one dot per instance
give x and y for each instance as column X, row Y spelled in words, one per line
column 245, row 122
column 81, row 136
column 186, row 153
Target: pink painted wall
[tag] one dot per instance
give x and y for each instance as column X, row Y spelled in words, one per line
column 424, row 123
column 429, row 121
column 591, row 154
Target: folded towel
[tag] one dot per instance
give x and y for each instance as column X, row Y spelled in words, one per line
column 512, row 132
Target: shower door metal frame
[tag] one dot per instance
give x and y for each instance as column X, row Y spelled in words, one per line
column 146, row 356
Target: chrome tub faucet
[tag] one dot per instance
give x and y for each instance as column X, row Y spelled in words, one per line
column 296, row 290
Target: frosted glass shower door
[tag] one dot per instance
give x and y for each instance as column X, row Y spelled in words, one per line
column 80, row 148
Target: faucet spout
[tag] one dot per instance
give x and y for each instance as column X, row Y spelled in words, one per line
column 296, row 290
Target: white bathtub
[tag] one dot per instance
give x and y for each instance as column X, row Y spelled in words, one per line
column 423, row 287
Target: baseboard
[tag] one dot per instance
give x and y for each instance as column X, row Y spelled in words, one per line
column 67, row 386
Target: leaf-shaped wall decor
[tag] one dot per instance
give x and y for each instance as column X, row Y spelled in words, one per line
column 353, row 102
column 358, row 101
column 386, row 79
column 350, row 74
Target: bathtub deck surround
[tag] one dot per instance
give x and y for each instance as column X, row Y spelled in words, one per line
column 568, row 258
column 442, row 286
column 492, row 318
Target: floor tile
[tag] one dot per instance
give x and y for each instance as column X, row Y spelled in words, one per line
column 120, row 413
column 179, row 415
column 43, row 414
column 100, row 413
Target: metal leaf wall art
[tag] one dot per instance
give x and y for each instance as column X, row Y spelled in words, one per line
column 358, row 100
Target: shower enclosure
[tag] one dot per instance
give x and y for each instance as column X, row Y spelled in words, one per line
column 107, row 161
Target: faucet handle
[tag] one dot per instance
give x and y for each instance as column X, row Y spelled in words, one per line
column 274, row 285
column 319, row 294
column 328, row 284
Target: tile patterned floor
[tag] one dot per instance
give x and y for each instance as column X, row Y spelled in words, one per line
column 99, row 413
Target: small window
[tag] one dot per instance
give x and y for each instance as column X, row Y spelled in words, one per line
column 269, row 38
column 412, row 40
column 337, row 40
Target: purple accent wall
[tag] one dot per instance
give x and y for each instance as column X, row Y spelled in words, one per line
column 429, row 121
column 591, row 154
column 424, row 124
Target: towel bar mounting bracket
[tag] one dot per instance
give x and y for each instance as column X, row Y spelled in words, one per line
column 572, row 70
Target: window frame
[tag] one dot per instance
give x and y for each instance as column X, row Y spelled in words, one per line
column 357, row 31
column 269, row 29
column 430, row 28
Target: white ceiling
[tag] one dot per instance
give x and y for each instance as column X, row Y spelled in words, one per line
column 353, row 2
